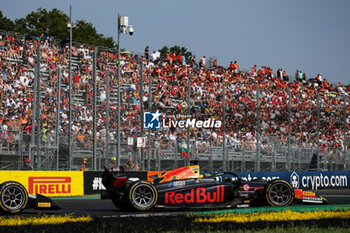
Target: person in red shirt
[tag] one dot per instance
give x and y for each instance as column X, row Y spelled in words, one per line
column 179, row 59
column 76, row 86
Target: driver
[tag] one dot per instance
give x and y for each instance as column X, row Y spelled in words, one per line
column 113, row 165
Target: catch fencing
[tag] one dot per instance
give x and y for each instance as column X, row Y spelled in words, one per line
column 264, row 127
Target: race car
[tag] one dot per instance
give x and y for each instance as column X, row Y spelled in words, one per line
column 14, row 198
column 186, row 187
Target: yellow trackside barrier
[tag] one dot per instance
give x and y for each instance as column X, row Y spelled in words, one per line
column 48, row 183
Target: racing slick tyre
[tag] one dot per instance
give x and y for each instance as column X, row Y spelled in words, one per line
column 13, row 197
column 142, row 195
column 279, row 193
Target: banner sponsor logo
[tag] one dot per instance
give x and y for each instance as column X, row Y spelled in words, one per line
column 198, row 195
column 152, row 120
column 294, row 180
column 49, row 185
column 305, row 180
column 155, row 120
column 97, row 184
column 322, row 181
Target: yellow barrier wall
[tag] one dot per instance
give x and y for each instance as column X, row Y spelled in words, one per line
column 48, row 183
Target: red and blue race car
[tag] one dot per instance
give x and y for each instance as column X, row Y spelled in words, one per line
column 186, row 187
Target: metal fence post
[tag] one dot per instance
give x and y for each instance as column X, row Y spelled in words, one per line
column 243, row 161
column 223, row 129
column 94, row 88
column 149, row 130
column 58, row 110
column 107, row 117
column 257, row 158
column 176, row 154
column 158, row 159
column 318, row 132
column 274, row 159
column 70, row 90
column 141, row 108
column 289, row 128
column 211, row 165
column 187, row 159
column 346, row 159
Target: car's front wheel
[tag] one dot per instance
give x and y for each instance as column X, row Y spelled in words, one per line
column 279, row 193
column 13, row 197
column 142, row 195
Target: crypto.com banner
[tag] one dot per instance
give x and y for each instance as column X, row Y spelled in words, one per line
column 48, row 183
column 308, row 180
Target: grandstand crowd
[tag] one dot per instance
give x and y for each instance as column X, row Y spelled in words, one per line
column 169, row 76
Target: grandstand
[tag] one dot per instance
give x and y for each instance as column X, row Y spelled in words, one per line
column 315, row 121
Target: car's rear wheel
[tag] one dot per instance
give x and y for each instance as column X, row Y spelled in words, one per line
column 13, row 197
column 142, row 195
column 279, row 193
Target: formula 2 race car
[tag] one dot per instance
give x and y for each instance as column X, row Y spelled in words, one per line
column 185, row 187
column 14, row 198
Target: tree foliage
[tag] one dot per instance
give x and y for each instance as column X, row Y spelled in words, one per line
column 56, row 21
column 6, row 23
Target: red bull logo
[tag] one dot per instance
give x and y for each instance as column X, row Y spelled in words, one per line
column 198, row 195
column 49, row 185
column 180, row 174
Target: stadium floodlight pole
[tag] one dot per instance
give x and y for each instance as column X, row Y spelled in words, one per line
column 223, row 128
column 70, row 25
column 123, row 26
column 107, row 115
column 58, row 109
column 94, row 95
column 257, row 159
column 141, row 106
column 318, row 131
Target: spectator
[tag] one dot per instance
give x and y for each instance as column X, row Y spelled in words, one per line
column 27, row 166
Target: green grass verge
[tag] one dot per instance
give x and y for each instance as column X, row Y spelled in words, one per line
column 182, row 224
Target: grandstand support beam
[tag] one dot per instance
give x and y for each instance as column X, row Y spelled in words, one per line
column 318, row 131
column 58, row 110
column 94, row 88
column 70, row 90
column 223, row 129
column 141, row 108
column 107, row 116
column 289, row 129
column 257, row 158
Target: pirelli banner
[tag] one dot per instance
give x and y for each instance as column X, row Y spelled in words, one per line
column 48, row 183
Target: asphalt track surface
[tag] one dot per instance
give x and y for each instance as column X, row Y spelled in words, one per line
column 93, row 206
